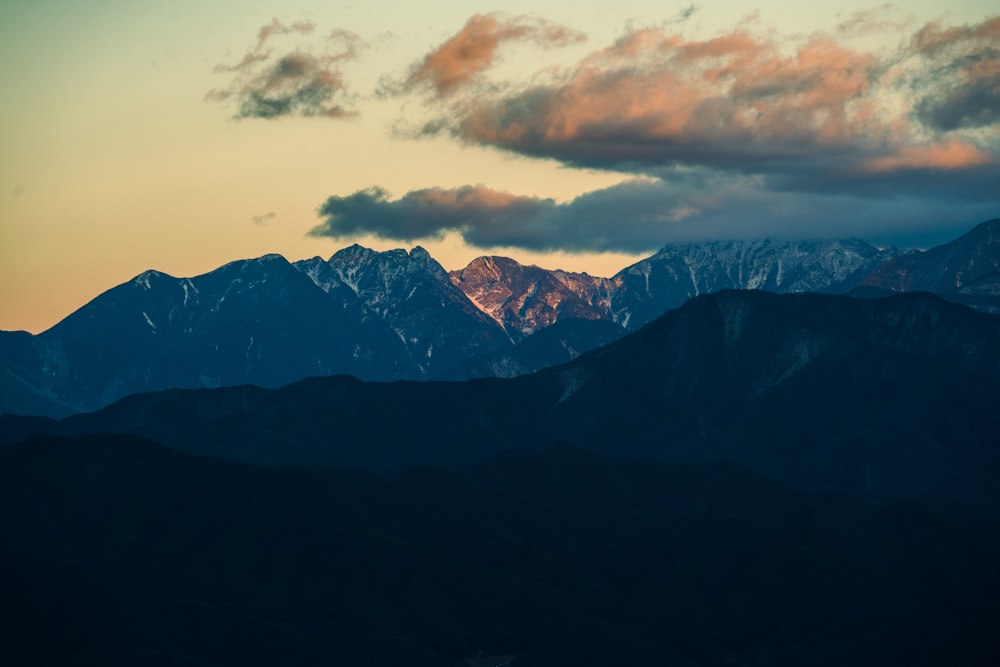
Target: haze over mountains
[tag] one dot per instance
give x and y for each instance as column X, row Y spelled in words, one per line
column 399, row 315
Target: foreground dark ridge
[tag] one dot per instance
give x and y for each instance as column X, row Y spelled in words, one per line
column 892, row 397
column 120, row 551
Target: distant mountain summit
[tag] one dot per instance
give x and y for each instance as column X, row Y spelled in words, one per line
column 527, row 299
column 411, row 295
column 678, row 272
column 265, row 321
column 968, row 265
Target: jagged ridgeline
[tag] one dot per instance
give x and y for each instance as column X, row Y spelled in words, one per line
column 399, row 315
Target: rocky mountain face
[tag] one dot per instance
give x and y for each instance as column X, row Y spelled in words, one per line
column 527, row 299
column 409, row 294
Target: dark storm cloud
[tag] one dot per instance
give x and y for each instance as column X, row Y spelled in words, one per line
column 295, row 83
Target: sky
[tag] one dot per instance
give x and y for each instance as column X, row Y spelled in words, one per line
column 181, row 135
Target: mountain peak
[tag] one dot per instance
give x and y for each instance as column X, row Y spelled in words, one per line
column 144, row 279
column 948, row 268
column 351, row 253
column 524, row 299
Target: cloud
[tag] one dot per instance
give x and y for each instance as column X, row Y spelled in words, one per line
column 265, row 218
column 276, row 27
column 461, row 59
column 739, row 135
column 878, row 20
column 641, row 215
column 483, row 215
column 687, row 12
column 296, row 83
column 948, row 155
column 654, row 99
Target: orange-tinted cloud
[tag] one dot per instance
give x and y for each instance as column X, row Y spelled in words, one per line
column 810, row 111
column 661, row 99
column 474, row 49
column 951, row 154
column 933, row 38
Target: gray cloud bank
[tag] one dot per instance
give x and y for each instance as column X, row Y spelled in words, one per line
column 640, row 216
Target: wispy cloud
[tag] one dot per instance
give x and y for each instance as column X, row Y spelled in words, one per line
column 886, row 18
column 265, row 218
column 460, row 60
column 297, row 82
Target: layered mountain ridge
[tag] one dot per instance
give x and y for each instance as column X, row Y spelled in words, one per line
column 749, row 478
column 398, row 315
column 890, row 396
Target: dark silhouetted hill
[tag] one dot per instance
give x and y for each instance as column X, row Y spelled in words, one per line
column 116, row 550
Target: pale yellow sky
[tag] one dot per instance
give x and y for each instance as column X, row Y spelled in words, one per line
column 112, row 162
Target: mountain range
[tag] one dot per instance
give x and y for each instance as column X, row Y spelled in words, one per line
column 894, row 397
column 748, row 478
column 399, row 315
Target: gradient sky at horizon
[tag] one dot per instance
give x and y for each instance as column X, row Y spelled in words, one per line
column 582, row 136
